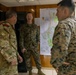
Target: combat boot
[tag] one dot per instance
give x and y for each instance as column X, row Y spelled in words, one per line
column 30, row 72
column 40, row 72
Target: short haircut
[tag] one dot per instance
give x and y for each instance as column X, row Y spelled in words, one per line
column 10, row 13
column 29, row 13
column 67, row 3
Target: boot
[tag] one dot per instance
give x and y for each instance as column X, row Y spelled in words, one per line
column 40, row 72
column 30, row 72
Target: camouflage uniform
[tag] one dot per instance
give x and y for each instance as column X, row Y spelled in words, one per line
column 64, row 47
column 29, row 38
column 8, row 47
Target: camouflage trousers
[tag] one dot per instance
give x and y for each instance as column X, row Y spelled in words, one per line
column 36, row 56
column 10, row 70
column 67, row 70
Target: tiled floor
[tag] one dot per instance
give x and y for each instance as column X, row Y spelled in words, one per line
column 47, row 71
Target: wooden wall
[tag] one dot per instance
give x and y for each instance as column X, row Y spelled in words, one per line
column 45, row 60
column 28, row 8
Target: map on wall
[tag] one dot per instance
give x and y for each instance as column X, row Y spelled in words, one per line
column 48, row 22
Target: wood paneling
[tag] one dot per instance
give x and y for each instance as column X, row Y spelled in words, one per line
column 45, row 60
column 3, row 8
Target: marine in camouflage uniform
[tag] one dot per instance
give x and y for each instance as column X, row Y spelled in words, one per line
column 29, row 39
column 63, row 52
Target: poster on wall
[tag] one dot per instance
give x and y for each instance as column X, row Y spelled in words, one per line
column 48, row 22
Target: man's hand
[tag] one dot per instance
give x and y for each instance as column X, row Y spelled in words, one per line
column 66, row 63
column 56, row 70
column 23, row 50
column 20, row 59
column 14, row 62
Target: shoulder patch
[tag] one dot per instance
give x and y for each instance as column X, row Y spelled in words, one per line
column 6, row 25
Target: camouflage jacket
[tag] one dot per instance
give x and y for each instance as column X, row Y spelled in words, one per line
column 64, row 43
column 8, row 45
column 29, row 36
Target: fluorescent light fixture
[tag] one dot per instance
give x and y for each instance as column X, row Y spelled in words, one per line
column 30, row 0
column 21, row 0
column 24, row 0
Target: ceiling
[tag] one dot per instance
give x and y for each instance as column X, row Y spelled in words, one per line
column 13, row 3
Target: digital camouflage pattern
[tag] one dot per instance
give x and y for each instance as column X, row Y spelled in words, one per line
column 29, row 38
column 8, row 49
column 64, row 47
